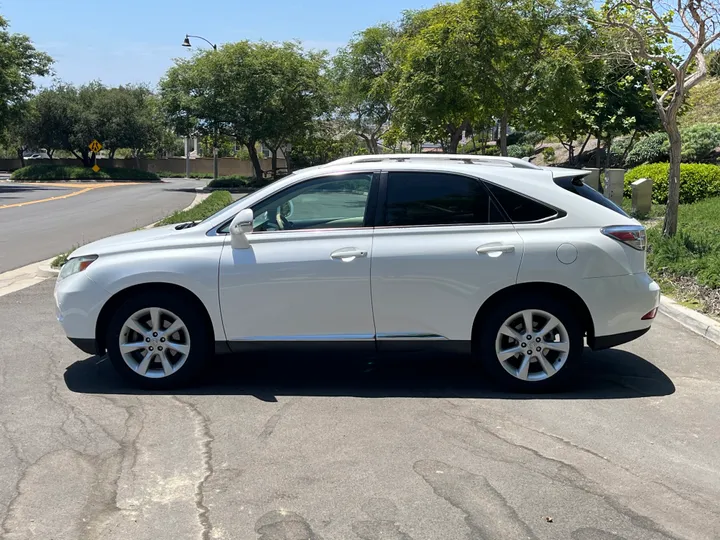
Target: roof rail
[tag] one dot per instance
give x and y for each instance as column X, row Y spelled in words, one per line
column 457, row 158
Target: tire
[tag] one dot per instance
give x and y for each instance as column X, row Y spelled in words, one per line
column 555, row 356
column 178, row 358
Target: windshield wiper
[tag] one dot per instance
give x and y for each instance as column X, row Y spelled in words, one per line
column 187, row 225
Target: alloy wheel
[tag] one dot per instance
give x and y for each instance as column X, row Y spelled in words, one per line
column 532, row 345
column 154, row 342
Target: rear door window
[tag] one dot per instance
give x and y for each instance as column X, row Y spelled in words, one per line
column 428, row 198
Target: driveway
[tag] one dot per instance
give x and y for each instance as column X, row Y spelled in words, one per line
column 340, row 448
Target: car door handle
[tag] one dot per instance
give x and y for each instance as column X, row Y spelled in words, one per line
column 495, row 248
column 348, row 254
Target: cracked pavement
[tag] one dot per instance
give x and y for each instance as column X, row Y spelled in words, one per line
column 292, row 447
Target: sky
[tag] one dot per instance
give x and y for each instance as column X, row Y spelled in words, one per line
column 135, row 41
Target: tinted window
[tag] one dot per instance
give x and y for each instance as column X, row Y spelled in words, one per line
column 586, row 192
column 518, row 208
column 419, row 198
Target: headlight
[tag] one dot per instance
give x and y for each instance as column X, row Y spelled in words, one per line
column 75, row 265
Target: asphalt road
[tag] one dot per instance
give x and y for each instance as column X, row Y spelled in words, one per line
column 342, row 448
column 41, row 230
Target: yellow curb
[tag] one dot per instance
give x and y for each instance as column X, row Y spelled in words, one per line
column 76, row 186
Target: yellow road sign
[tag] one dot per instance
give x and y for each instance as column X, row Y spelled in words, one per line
column 95, row 168
column 95, row 146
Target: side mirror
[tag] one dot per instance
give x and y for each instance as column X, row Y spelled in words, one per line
column 240, row 227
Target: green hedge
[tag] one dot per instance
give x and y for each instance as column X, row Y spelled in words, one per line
column 698, row 181
column 168, row 174
column 237, row 181
column 50, row 173
column 214, row 203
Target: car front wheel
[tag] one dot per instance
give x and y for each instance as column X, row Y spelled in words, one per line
column 531, row 344
column 158, row 341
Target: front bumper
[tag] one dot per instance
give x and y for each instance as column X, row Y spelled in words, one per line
column 78, row 301
column 88, row 346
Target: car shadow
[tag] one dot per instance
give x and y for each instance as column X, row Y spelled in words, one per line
column 612, row 374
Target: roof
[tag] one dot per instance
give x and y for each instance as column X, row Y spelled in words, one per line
column 468, row 159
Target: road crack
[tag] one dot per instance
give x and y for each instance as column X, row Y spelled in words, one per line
column 205, row 439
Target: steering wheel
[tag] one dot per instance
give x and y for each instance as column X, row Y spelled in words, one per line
column 283, row 222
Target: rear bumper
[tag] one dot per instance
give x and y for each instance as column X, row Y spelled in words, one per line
column 607, row 342
column 618, row 304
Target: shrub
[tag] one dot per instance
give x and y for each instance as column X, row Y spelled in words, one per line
column 214, row 203
column 651, row 149
column 520, row 150
column 699, row 141
column 548, row 154
column 49, row 173
column 237, row 181
column 525, row 137
column 698, row 181
column 713, row 63
column 492, row 151
column 168, row 174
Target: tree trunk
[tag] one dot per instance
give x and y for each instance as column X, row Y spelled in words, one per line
column 582, row 148
column 274, row 162
column 628, row 147
column 597, row 151
column 21, row 155
column 671, row 212
column 455, row 137
column 503, row 134
column 608, row 145
column 255, row 160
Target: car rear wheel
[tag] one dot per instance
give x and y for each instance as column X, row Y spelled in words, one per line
column 531, row 343
column 158, row 341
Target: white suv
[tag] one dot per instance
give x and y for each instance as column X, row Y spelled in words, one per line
column 498, row 257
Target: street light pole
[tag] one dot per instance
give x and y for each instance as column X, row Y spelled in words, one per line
column 186, row 43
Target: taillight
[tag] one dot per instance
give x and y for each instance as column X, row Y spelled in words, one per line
column 650, row 315
column 632, row 235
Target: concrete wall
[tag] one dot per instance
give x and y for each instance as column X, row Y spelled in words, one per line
column 226, row 166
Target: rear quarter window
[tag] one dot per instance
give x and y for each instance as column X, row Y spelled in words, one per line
column 578, row 187
column 520, row 209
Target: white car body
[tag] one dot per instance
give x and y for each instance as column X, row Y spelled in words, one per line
column 400, row 284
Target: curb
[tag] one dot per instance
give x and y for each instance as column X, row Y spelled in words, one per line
column 691, row 319
column 45, row 270
column 231, row 190
column 199, row 197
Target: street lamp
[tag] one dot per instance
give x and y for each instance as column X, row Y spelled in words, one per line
column 186, row 43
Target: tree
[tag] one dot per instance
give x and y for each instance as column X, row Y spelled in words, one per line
column 436, row 98
column 300, row 95
column 20, row 62
column 522, row 39
column 69, row 118
column 363, row 75
column 248, row 91
column 695, row 25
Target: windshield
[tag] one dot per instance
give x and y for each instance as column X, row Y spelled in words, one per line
column 237, row 203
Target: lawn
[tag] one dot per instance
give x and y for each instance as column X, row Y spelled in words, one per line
column 214, row 203
column 687, row 266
